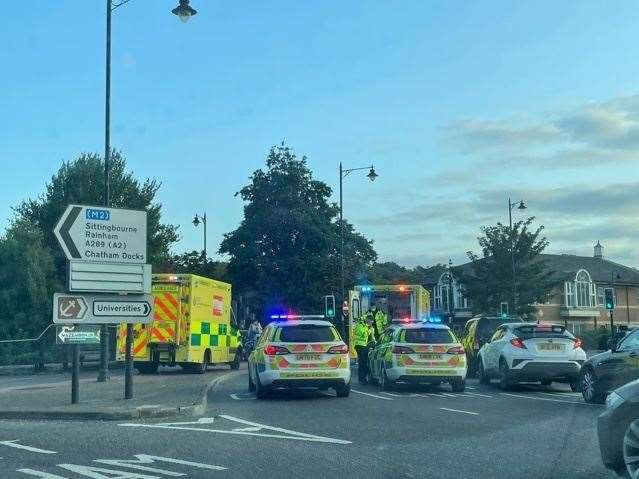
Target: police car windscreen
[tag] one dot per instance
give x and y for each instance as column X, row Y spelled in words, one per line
column 542, row 331
column 307, row 333
column 428, row 336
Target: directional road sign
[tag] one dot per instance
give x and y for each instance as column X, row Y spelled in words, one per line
column 99, row 234
column 80, row 334
column 102, row 308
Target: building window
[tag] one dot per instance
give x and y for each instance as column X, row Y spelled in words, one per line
column 600, row 296
column 456, row 296
column 570, row 294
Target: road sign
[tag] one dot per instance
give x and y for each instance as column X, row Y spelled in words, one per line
column 108, row 277
column 69, row 308
column 102, row 308
column 80, row 334
column 99, row 234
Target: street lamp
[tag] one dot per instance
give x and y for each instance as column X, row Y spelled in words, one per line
column 103, row 372
column 184, row 11
column 520, row 206
column 343, row 173
column 196, row 222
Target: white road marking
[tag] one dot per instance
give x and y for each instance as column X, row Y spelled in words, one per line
column 147, row 459
column 471, row 387
column 371, row 395
column 397, row 395
column 40, row 474
column 459, row 410
column 449, row 395
column 479, row 395
column 555, row 395
column 548, row 399
column 248, row 396
column 283, row 433
column 15, row 444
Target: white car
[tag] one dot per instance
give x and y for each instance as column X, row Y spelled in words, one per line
column 527, row 352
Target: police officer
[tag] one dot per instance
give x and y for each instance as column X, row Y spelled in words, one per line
column 380, row 320
column 363, row 335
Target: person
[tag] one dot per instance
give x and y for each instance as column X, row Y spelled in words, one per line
column 363, row 336
column 380, row 320
column 369, row 318
column 252, row 335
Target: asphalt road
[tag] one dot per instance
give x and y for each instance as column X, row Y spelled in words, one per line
column 532, row 432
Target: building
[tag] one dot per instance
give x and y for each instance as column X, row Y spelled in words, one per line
column 578, row 301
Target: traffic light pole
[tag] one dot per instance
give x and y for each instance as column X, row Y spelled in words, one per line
column 612, row 326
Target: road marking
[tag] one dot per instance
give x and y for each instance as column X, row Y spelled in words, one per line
column 449, row 395
column 548, row 399
column 397, row 395
column 459, row 410
column 371, row 395
column 250, row 431
column 555, row 395
column 141, row 459
column 40, row 474
column 479, row 395
column 471, row 387
column 15, row 444
column 248, row 397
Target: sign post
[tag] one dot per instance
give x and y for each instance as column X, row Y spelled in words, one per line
column 107, row 253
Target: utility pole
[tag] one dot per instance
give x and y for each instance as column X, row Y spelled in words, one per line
column 511, row 206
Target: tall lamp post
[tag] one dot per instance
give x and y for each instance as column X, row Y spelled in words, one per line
column 196, row 221
column 343, row 173
column 184, row 12
column 520, row 206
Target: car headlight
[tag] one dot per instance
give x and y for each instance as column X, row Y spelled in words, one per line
column 613, row 400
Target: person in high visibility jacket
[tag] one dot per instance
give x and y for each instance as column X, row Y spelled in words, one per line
column 380, row 318
column 363, row 335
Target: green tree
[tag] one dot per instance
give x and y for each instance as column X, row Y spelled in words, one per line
column 286, row 250
column 194, row 262
column 490, row 280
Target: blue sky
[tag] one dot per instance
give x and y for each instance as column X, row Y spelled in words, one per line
column 458, row 105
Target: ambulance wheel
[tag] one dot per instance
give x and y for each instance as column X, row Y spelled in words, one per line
column 343, row 391
column 235, row 364
column 384, row 383
column 458, row 385
column 251, row 384
column 260, row 391
column 147, row 368
column 204, row 365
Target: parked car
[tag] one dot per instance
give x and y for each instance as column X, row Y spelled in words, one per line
column 477, row 331
column 530, row 352
column 609, row 370
column 618, row 430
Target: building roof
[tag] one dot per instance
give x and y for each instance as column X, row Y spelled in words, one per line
column 566, row 266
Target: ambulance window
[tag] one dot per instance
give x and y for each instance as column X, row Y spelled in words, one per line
column 428, row 336
column 307, row 333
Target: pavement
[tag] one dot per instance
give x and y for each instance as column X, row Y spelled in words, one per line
column 426, row 432
column 171, row 392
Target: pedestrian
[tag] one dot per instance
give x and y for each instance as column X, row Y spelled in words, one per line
column 363, row 336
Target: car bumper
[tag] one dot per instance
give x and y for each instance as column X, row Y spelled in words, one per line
column 540, row 370
column 311, row 378
column 421, row 375
column 610, row 431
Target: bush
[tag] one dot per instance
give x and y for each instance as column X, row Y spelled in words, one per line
column 595, row 338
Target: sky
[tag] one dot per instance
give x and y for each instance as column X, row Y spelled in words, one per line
column 459, row 105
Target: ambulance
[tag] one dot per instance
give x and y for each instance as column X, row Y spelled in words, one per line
column 191, row 327
column 398, row 301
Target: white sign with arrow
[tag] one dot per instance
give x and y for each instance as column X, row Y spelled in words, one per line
column 97, row 234
column 85, row 334
column 102, row 308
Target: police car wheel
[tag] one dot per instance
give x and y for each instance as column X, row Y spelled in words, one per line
column 458, row 385
column 251, row 384
column 260, row 391
column 343, row 391
column 385, row 383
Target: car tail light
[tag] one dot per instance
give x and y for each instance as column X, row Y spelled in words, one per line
column 456, row 350
column 339, row 349
column 518, row 343
column 402, row 350
column 271, row 350
column 577, row 343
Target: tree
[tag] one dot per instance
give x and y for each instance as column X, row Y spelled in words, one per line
column 490, row 280
column 194, row 262
column 286, row 250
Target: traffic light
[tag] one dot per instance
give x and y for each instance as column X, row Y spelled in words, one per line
column 329, row 306
column 609, row 298
column 503, row 309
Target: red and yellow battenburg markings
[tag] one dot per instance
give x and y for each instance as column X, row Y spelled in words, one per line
column 165, row 313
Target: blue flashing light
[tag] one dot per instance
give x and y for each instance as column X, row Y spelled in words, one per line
column 366, row 289
column 432, row 319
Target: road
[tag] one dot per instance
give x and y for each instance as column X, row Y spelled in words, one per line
column 531, row 432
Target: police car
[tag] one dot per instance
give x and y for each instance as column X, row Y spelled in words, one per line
column 295, row 352
column 418, row 352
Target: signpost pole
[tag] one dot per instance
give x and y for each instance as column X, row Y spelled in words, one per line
column 128, row 365
column 75, row 375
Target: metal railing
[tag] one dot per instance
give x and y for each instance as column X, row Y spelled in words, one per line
column 27, row 340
